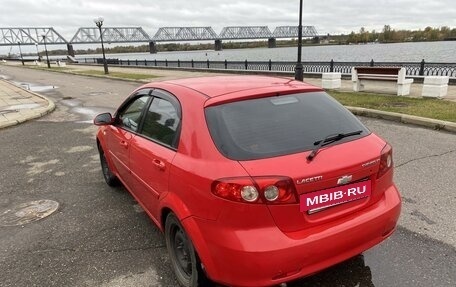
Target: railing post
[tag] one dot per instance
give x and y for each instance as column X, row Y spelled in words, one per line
column 246, row 64
column 193, row 64
column 208, row 63
column 166, row 62
column 372, row 63
column 226, row 64
column 331, row 66
column 422, row 68
column 270, row 65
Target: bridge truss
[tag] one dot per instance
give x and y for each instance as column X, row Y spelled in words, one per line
column 292, row 31
column 184, row 34
column 29, row 36
column 245, row 32
column 89, row 35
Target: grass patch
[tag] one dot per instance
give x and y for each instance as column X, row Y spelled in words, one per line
column 426, row 107
column 129, row 76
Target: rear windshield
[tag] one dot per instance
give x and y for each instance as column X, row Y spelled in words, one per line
column 280, row 125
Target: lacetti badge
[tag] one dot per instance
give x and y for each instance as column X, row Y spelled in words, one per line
column 309, row 179
column 334, row 196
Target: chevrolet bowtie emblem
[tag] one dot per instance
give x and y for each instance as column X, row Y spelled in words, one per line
column 344, row 179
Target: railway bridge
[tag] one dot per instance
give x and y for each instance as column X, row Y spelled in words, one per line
column 91, row 35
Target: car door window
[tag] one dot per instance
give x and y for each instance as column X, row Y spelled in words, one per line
column 130, row 117
column 162, row 121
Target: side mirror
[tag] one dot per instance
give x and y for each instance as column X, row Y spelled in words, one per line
column 103, row 119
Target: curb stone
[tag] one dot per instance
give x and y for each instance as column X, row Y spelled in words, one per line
column 406, row 119
column 35, row 113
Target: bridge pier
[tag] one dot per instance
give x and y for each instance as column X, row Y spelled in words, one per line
column 70, row 50
column 218, row 45
column 152, row 48
column 272, row 43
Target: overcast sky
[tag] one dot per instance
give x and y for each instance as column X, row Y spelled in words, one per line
column 328, row 16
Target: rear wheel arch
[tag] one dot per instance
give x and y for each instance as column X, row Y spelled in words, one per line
column 191, row 228
column 183, row 255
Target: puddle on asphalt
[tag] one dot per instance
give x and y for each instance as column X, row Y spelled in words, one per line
column 88, row 112
column 28, row 212
column 96, row 93
column 34, row 87
column 42, row 88
column 71, row 102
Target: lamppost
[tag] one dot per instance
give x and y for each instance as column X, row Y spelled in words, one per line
column 299, row 75
column 45, row 49
column 20, row 52
column 37, row 52
column 99, row 22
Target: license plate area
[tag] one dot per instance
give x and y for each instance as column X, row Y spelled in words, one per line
column 313, row 202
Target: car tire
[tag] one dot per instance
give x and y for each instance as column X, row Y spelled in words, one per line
column 108, row 176
column 184, row 259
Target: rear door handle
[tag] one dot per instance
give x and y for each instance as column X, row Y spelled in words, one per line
column 158, row 163
column 124, row 144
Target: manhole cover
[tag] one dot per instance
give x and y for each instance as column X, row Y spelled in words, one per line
column 28, row 212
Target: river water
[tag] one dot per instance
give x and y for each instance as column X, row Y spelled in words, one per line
column 442, row 52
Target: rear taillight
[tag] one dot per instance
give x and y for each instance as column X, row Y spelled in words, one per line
column 266, row 190
column 386, row 160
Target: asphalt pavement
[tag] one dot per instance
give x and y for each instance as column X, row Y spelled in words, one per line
column 100, row 237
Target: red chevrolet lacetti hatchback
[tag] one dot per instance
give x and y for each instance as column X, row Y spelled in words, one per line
column 254, row 180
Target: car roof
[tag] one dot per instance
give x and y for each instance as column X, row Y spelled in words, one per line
column 214, row 86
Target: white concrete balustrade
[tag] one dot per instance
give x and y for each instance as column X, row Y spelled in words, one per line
column 331, row 81
column 435, row 86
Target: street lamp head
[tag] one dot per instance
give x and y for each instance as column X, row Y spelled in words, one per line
column 43, row 36
column 98, row 21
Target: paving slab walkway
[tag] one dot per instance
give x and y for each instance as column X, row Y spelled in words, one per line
column 18, row 105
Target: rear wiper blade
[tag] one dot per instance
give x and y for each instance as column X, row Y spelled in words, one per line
column 327, row 140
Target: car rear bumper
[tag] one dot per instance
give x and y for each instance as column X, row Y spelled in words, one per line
column 269, row 257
